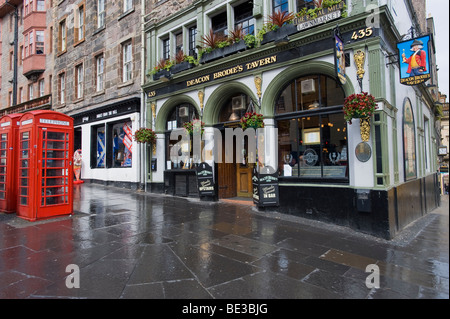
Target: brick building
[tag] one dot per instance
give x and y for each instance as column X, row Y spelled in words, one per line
column 26, row 55
column 97, row 81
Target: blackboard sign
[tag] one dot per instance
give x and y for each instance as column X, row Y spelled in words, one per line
column 205, row 179
column 265, row 187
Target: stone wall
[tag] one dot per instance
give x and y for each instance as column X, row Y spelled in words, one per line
column 119, row 27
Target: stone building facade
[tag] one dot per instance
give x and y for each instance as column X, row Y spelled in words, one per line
column 97, row 81
column 25, row 75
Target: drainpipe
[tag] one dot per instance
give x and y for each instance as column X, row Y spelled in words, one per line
column 143, row 117
column 16, row 40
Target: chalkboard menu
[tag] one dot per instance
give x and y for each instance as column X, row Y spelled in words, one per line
column 265, row 187
column 205, row 179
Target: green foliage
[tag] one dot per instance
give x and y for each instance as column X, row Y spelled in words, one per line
column 145, row 135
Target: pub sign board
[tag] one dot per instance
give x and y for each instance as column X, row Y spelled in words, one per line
column 414, row 59
column 265, row 187
column 205, row 179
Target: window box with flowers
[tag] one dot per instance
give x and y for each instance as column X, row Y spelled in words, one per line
column 252, row 120
column 360, row 106
column 162, row 69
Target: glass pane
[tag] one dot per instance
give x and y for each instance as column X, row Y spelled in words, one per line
column 25, row 135
column 3, row 145
column 309, row 149
column 55, row 145
column 55, row 181
column 286, row 101
column 55, row 172
column 334, row 146
column 308, row 93
column 55, row 136
column 23, row 201
column 288, row 148
column 2, row 187
column 55, row 163
column 54, row 200
column 4, row 137
column 23, row 182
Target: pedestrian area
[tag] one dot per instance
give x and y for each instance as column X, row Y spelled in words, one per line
column 129, row 244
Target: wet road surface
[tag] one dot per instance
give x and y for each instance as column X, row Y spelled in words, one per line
column 129, row 244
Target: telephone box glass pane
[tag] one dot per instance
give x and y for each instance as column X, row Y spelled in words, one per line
column 53, row 168
column 24, row 166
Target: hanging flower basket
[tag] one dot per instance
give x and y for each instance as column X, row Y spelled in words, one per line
column 359, row 106
column 194, row 126
column 252, row 120
column 145, row 135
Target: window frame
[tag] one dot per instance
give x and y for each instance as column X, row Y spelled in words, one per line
column 79, row 81
column 101, row 15
column 321, row 113
column 99, row 77
column 62, row 36
column 127, row 61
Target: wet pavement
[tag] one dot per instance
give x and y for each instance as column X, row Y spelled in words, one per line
column 129, row 244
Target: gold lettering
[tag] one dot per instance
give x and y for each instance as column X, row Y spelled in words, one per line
column 152, row 94
column 197, row 80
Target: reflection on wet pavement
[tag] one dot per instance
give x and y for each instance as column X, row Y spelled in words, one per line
column 135, row 245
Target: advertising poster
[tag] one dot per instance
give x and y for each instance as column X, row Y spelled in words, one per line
column 414, row 60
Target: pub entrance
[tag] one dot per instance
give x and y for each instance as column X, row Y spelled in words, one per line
column 234, row 178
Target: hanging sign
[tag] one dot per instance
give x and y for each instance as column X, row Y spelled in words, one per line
column 414, row 60
column 339, row 58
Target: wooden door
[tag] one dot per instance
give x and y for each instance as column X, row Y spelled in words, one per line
column 226, row 176
column 244, row 180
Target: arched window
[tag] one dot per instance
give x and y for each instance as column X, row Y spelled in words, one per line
column 180, row 114
column 312, row 131
column 409, row 141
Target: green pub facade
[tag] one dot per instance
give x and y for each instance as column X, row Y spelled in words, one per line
column 298, row 77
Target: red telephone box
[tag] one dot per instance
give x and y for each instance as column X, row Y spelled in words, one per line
column 8, row 162
column 45, row 168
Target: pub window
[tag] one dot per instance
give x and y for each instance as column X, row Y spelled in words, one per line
column 280, row 5
column 409, row 141
column 243, row 17
column 308, row 4
column 180, row 114
column 219, row 24
column 178, row 42
column 312, row 131
column 192, row 41
column 166, row 48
